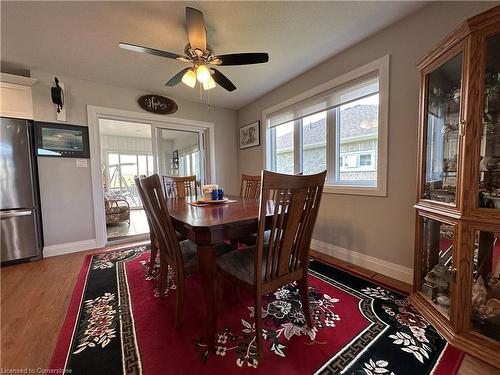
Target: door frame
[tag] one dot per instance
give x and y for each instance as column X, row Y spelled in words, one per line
column 95, row 113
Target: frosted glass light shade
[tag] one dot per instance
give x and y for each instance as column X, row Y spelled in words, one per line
column 189, row 78
column 202, row 74
column 210, row 84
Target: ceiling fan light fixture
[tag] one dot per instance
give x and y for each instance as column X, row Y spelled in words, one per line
column 200, row 57
column 202, row 74
column 210, row 84
column 189, row 78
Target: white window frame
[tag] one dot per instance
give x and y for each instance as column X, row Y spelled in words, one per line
column 381, row 66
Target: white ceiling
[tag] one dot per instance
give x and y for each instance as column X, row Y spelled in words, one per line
column 124, row 128
column 119, row 128
column 80, row 39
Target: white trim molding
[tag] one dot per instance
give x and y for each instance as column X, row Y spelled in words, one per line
column 94, row 113
column 384, row 267
column 69, row 247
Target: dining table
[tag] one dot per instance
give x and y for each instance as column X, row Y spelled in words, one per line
column 209, row 224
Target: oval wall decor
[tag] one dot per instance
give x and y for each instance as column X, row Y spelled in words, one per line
column 157, row 104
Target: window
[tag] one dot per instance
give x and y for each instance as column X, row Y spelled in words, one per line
column 357, row 138
column 122, row 169
column 189, row 165
column 314, row 143
column 282, row 142
column 365, row 160
column 340, row 126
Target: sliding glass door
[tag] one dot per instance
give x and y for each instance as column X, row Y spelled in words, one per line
column 130, row 148
column 181, row 153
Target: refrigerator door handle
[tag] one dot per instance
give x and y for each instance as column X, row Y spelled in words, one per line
column 8, row 214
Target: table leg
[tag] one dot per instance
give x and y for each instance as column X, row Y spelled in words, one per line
column 208, row 273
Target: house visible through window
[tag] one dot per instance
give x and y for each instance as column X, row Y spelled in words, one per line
column 337, row 130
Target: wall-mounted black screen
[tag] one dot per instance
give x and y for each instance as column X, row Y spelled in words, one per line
column 62, row 140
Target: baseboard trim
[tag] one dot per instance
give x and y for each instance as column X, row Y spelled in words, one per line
column 69, row 247
column 384, row 267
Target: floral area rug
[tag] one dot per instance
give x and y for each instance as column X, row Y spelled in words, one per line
column 118, row 324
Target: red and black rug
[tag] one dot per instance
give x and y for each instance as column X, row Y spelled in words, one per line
column 117, row 324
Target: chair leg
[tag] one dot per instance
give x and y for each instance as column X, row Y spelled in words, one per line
column 180, row 302
column 163, row 276
column 236, row 292
column 220, row 291
column 304, row 296
column 152, row 259
column 258, row 326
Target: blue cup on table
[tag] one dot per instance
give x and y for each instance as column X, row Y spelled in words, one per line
column 220, row 194
column 215, row 194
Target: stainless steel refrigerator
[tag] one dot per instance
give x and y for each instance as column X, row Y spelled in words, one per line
column 20, row 219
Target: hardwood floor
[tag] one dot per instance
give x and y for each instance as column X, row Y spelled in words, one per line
column 34, row 300
column 138, row 225
column 35, row 297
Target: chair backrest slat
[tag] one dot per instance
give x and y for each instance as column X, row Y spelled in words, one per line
column 157, row 211
column 294, row 203
column 250, row 186
column 179, row 186
column 146, row 209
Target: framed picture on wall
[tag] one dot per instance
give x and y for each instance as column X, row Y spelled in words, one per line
column 250, row 135
column 175, row 159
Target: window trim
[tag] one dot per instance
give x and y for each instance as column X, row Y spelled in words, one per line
column 382, row 66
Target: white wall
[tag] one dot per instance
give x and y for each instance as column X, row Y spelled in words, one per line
column 377, row 227
column 66, row 193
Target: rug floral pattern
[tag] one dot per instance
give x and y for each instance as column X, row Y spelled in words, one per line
column 100, row 319
column 395, row 339
column 283, row 318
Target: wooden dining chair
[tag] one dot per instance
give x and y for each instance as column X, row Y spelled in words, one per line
column 179, row 186
column 250, row 186
column 181, row 256
column 154, row 242
column 293, row 202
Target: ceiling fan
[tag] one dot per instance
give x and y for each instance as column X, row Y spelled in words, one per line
column 201, row 56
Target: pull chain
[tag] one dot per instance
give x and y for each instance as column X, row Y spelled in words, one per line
column 208, row 99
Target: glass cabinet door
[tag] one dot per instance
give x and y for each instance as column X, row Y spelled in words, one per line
column 442, row 131
column 485, row 299
column 489, row 167
column 437, row 272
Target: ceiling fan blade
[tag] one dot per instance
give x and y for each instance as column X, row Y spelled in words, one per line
column 222, row 80
column 195, row 26
column 151, row 51
column 243, row 58
column 177, row 78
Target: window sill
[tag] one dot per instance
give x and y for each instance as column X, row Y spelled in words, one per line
column 355, row 190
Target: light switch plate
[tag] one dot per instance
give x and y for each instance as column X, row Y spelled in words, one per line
column 82, row 163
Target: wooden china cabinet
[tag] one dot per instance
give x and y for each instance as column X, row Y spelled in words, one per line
column 457, row 248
